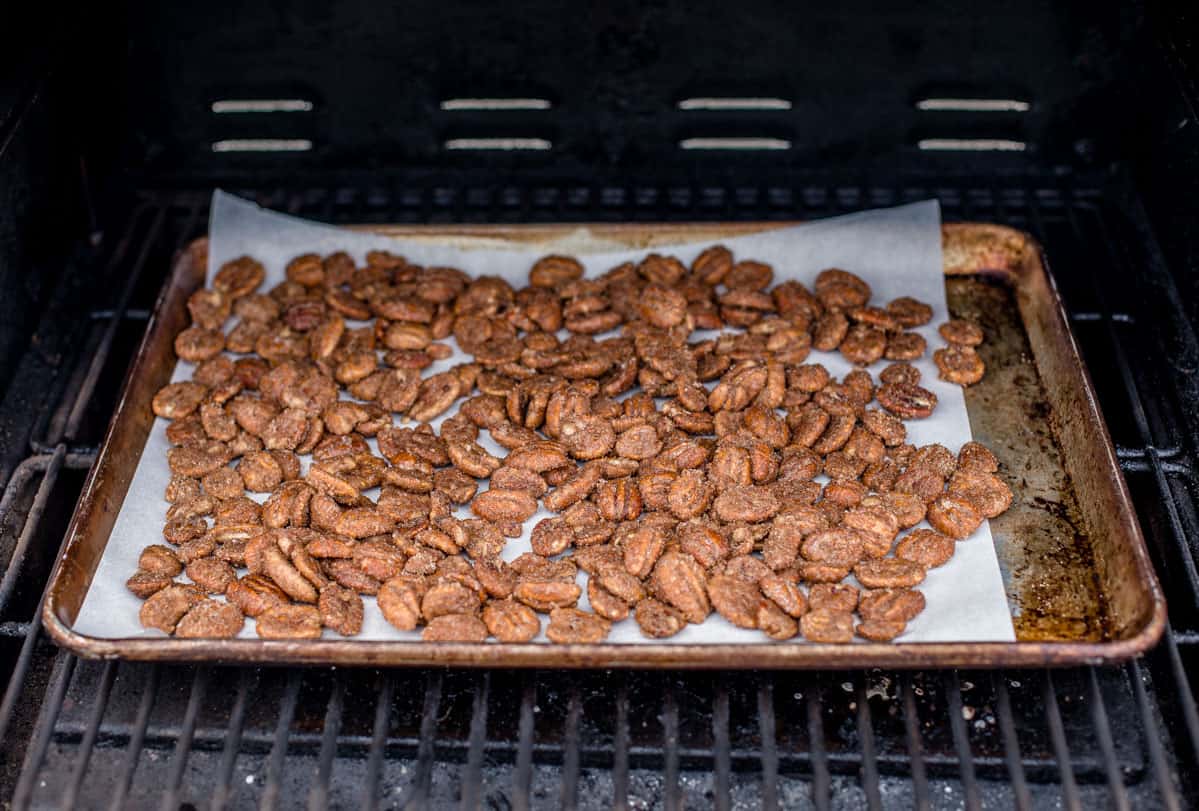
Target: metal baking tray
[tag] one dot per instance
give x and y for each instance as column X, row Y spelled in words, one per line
column 1079, row 581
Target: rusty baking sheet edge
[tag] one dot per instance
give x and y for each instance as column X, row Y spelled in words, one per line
column 968, row 249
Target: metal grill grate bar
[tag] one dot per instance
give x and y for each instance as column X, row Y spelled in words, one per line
column 957, row 724
column 911, row 720
column 1153, row 739
column 770, row 755
column 232, row 742
column 287, row 711
column 918, row 734
column 821, row 781
column 318, row 797
column 89, row 738
column 869, row 771
column 1011, row 744
column 720, row 748
column 523, row 779
column 1061, row 750
column 472, row 782
column 183, row 748
column 1108, row 746
column 374, row 763
column 134, row 750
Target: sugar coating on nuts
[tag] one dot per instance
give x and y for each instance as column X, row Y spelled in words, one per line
column 680, row 471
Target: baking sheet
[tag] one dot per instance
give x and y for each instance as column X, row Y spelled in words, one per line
column 897, row 250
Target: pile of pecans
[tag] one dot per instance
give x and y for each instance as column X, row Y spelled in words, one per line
column 683, row 471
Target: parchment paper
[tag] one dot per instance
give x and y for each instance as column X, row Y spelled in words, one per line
column 898, row 251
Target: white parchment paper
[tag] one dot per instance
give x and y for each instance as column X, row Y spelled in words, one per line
column 897, row 250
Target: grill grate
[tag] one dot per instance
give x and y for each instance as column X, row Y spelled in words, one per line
column 123, row 735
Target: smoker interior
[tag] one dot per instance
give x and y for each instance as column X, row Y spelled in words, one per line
column 107, row 160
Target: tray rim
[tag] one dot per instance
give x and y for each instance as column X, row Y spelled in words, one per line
column 987, row 246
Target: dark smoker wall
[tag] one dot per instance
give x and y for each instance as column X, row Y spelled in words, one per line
column 376, row 75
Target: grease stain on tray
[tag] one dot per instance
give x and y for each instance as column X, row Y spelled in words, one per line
column 1043, row 547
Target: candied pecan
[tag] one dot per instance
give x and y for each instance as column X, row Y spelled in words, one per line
column 448, row 598
column 738, row 388
column 863, row 344
column 905, row 346
column 735, row 599
column 569, row 626
column 747, row 568
column 782, row 544
column 812, row 572
column 158, row 559
column 657, row 620
column 545, row 595
column 959, row 364
column 960, row 332
column 680, row 582
column 276, row 566
column 830, row 330
column 347, row 573
column 775, row 622
column 196, row 344
column 662, row 306
column 834, row 547
column 587, row 437
column 907, row 400
column 605, row 603
column 745, row 503
column 551, row 536
column 176, row 400
column 825, row 625
column 909, row 312
column 836, row 434
column 750, row 274
column 926, row 547
column 511, row 621
column 434, row 396
column 199, row 459
column 975, row 456
column 689, row 494
column 239, row 277
column 399, row 601
column 882, row 573
column 223, row 483
column 880, row 630
column 254, row 594
column 655, row 489
column 289, row 622
column 712, row 265
column 618, row 500
column 538, row 456
column 954, row 515
column 211, row 574
column 144, row 584
column 784, row 593
column 619, row 582
column 181, row 489
column 555, row 271
column 184, row 528
column 886, row 427
column 877, row 527
column 702, row 542
column 833, row 597
column 989, row 494
column 210, row 619
column 891, row 604
column 504, row 505
column 164, row 608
